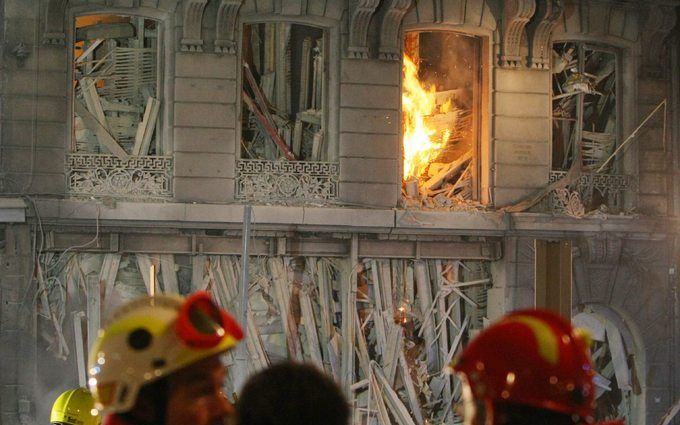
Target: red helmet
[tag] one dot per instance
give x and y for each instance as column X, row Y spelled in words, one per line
column 533, row 358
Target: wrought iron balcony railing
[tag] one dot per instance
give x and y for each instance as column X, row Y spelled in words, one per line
column 137, row 178
column 286, row 180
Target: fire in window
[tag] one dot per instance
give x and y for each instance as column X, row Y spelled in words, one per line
column 584, row 107
column 440, row 106
column 283, row 92
column 116, row 105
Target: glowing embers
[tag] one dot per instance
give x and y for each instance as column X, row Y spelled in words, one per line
column 440, row 93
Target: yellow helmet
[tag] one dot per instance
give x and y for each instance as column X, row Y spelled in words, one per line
column 151, row 337
column 75, row 407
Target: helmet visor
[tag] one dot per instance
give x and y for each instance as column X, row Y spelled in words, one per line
column 201, row 323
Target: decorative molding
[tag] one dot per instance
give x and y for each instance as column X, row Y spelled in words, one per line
column 548, row 13
column 659, row 23
column 601, row 250
column 516, row 15
column 193, row 20
column 140, row 177
column 390, row 42
column 286, row 180
column 225, row 39
column 54, row 22
column 609, row 186
column 358, row 28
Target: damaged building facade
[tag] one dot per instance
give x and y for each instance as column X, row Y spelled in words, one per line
column 416, row 168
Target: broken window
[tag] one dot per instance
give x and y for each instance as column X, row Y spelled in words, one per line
column 584, row 107
column 116, row 101
column 283, row 92
column 441, row 94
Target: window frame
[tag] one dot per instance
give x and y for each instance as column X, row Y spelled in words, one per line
column 482, row 161
column 618, row 162
column 164, row 79
column 331, row 81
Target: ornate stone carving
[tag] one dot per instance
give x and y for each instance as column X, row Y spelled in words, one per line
column 142, row 177
column 516, row 14
column 548, row 12
column 601, row 250
column 390, row 42
column 610, row 186
column 660, row 21
column 362, row 11
column 225, row 40
column 193, row 19
column 54, row 22
column 286, row 180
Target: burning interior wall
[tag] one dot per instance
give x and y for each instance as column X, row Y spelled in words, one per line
column 441, row 93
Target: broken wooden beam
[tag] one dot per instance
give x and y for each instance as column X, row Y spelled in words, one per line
column 103, row 136
column 146, row 128
column 273, row 134
column 448, row 172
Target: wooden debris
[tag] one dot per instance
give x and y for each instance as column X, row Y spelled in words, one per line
column 271, row 131
column 619, row 357
column 169, row 273
column 102, row 133
column 448, row 172
column 146, row 128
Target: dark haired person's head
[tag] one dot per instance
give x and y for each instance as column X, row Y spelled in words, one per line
column 291, row 394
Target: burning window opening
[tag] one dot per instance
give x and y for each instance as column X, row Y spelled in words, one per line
column 283, row 92
column 440, row 103
column 115, row 92
column 585, row 127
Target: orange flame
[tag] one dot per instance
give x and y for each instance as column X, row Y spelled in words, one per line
column 417, row 103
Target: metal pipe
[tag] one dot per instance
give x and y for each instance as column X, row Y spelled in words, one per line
column 240, row 372
column 243, row 284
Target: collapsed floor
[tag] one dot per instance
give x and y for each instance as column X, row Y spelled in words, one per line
column 403, row 320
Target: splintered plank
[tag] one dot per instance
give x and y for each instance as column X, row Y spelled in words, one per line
column 103, row 135
column 199, row 281
column 448, row 172
column 169, row 274
column 146, row 127
column 619, row 359
column 349, row 299
column 282, row 294
column 92, row 101
column 313, row 346
column 425, row 300
column 399, row 411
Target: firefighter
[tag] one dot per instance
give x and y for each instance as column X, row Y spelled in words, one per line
column 529, row 368
column 75, row 407
column 158, row 362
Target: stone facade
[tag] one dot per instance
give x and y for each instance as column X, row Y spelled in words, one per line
column 625, row 266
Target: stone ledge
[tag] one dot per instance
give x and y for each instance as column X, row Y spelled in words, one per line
column 306, row 218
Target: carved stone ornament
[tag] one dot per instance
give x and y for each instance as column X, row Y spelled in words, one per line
column 660, row 21
column 601, row 250
column 138, row 178
column 292, row 181
column 361, row 13
column 54, row 22
column 516, row 15
column 390, row 42
column 193, row 19
column 225, row 40
column 548, row 12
